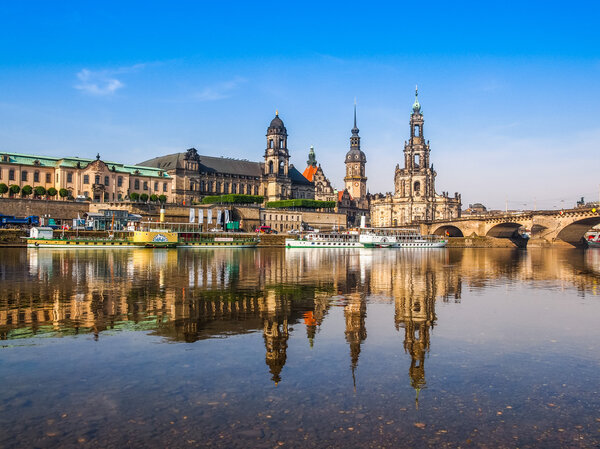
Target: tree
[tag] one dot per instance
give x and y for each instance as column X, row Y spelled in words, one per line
column 52, row 192
column 154, row 198
column 3, row 189
column 14, row 189
column 26, row 190
column 39, row 191
column 144, row 197
column 162, row 198
column 63, row 193
column 134, row 196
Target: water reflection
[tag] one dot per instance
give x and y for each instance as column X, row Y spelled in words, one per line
column 192, row 295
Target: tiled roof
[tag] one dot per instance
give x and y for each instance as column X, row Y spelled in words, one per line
column 309, row 172
column 48, row 161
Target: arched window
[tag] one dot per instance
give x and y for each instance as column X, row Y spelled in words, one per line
column 417, row 130
column 417, row 160
column 270, row 143
column 270, row 167
column 417, row 188
column 281, row 167
column 281, row 143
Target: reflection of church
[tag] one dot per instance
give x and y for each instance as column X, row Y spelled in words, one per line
column 355, row 313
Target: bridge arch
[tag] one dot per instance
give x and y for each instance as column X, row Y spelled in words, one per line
column 449, row 230
column 573, row 233
column 504, row 230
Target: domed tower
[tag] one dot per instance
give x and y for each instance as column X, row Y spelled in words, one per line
column 355, row 180
column 278, row 185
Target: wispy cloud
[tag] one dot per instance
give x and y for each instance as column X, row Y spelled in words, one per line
column 220, row 91
column 103, row 82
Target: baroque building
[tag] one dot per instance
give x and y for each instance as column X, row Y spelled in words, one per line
column 93, row 179
column 414, row 197
column 355, row 181
column 196, row 176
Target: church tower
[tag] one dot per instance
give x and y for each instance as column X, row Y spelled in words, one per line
column 416, row 181
column 355, row 180
column 278, row 185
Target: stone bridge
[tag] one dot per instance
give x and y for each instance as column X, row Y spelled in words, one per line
column 568, row 225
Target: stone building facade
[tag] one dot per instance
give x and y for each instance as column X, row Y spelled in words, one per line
column 196, row 176
column 414, row 197
column 94, row 179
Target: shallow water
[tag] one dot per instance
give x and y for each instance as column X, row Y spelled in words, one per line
column 299, row 348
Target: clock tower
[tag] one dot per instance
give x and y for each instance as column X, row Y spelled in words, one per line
column 355, row 180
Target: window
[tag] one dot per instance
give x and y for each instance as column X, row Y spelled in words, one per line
column 119, row 181
column 417, row 130
column 145, row 185
column 417, row 188
column 256, row 190
column 155, row 185
column 24, row 175
column 281, row 144
column 226, row 187
column 106, row 180
column 69, row 177
column 136, row 184
column 271, row 143
column 86, row 179
column 270, row 167
column 164, row 186
column 48, row 178
column 36, row 176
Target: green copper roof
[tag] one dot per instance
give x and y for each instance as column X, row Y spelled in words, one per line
column 416, row 106
column 78, row 162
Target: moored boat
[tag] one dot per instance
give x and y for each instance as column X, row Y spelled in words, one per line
column 151, row 238
column 398, row 238
column 324, row 240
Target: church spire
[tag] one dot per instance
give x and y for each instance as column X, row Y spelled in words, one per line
column 355, row 129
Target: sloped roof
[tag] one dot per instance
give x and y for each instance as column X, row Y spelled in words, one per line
column 309, row 172
column 208, row 164
column 297, row 177
column 72, row 162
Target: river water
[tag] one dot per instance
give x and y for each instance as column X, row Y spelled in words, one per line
column 273, row 348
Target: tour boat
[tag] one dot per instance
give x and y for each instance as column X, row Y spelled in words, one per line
column 593, row 240
column 398, row 238
column 322, row 240
column 222, row 240
column 368, row 238
column 43, row 237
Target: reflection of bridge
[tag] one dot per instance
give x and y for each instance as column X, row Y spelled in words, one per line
column 567, row 225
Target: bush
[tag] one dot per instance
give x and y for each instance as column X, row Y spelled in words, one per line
column 63, row 193
column 26, row 190
column 154, row 198
column 3, row 189
column 144, row 197
column 39, row 191
column 14, row 189
column 134, row 196
column 52, row 192
column 308, row 204
column 162, row 198
column 233, row 198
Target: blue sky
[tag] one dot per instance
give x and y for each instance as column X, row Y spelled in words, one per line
column 509, row 91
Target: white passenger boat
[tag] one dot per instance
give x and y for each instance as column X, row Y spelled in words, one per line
column 368, row 238
column 322, row 240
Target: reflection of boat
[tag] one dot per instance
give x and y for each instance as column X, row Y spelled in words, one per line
column 398, row 238
column 151, row 238
column 322, row 240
